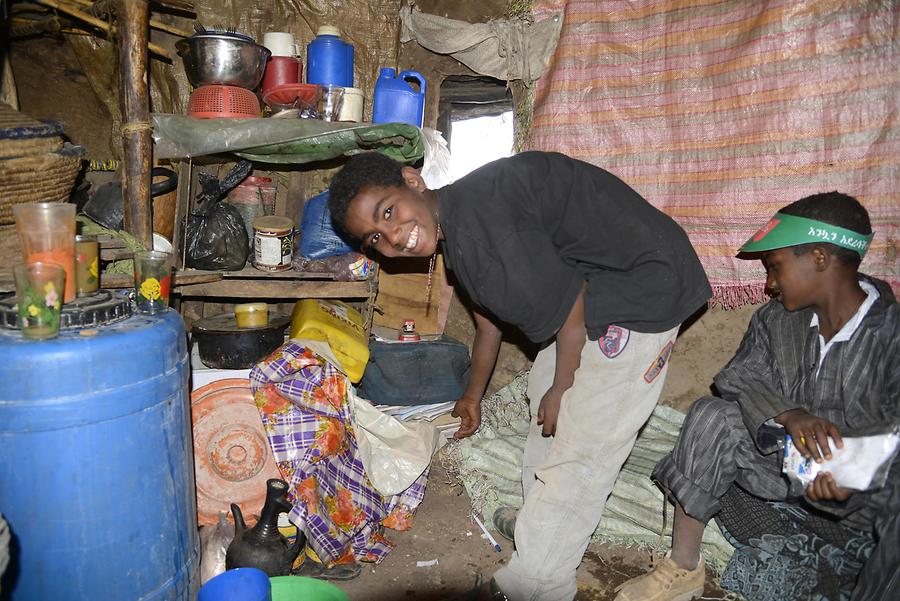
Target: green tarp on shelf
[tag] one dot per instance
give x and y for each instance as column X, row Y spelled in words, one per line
column 282, row 141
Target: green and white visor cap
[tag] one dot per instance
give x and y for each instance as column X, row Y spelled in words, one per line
column 789, row 230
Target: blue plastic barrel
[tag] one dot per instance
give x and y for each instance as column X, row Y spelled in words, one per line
column 96, row 468
column 396, row 101
column 329, row 59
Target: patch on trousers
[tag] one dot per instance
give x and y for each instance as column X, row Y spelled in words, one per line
column 659, row 363
column 614, row 342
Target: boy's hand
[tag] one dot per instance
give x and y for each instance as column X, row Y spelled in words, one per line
column 810, row 433
column 469, row 413
column 823, row 488
column 548, row 412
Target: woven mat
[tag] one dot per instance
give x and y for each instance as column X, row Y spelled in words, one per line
column 722, row 112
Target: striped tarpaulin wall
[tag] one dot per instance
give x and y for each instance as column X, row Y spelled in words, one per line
column 721, row 112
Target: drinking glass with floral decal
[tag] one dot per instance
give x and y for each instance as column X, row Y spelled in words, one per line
column 87, row 268
column 39, row 290
column 152, row 281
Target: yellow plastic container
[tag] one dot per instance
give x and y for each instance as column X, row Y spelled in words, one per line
column 338, row 324
column 251, row 315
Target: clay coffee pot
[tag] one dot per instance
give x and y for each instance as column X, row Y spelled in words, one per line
column 262, row 546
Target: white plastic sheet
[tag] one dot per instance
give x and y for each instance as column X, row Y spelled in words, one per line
column 861, row 464
column 394, row 453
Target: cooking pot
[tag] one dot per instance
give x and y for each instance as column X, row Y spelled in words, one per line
column 222, row 59
column 224, row 345
column 106, row 207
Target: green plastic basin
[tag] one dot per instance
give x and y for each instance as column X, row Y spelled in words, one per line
column 300, row 588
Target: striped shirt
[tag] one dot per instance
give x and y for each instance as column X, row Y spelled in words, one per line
column 857, row 387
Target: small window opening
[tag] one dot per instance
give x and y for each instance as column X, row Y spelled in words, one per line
column 476, row 116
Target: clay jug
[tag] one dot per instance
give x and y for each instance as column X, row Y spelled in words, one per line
column 262, row 546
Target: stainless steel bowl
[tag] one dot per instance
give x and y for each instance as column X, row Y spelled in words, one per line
column 223, row 60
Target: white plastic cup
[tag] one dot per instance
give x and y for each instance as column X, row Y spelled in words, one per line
column 352, row 107
column 281, row 43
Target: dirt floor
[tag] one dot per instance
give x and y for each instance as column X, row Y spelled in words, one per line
column 443, row 531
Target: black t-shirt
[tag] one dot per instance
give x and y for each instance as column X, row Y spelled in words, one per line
column 522, row 233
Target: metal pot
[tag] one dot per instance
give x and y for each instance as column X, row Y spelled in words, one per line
column 223, row 345
column 106, row 207
column 212, row 59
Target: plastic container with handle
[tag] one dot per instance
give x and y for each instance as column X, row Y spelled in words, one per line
column 339, row 325
column 396, row 100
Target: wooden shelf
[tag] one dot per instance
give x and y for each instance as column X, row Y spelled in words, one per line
column 253, row 283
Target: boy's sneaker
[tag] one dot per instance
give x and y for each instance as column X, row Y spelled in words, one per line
column 665, row 582
column 505, row 522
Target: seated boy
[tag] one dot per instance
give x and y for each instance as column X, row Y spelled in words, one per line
column 820, row 361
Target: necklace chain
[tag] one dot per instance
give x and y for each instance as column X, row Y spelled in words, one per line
column 431, row 263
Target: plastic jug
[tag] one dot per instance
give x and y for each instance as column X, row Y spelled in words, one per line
column 396, row 101
column 338, row 324
column 329, row 59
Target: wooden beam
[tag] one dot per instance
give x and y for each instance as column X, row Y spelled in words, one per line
column 134, row 101
column 153, row 22
column 100, row 23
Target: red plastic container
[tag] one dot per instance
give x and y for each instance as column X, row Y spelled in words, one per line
column 286, row 96
column 281, row 70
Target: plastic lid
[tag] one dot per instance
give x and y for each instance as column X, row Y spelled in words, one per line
column 329, row 30
column 273, row 223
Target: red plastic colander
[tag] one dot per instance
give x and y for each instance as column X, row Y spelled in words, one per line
column 217, row 102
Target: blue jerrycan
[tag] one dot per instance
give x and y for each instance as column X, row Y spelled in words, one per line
column 396, row 101
column 329, row 59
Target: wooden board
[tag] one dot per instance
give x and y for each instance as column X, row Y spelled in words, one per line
column 401, row 295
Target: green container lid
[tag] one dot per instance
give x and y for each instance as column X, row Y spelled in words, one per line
column 300, row 588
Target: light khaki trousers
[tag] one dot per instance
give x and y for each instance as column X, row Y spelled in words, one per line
column 567, row 478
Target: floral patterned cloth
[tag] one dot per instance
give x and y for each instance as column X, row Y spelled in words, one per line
column 303, row 401
column 784, row 551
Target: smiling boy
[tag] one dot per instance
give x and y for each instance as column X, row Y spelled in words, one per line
column 579, row 262
column 820, row 361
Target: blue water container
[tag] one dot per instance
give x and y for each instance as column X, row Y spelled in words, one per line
column 396, row 101
column 96, row 470
column 329, row 59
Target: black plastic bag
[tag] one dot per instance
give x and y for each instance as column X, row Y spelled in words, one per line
column 216, row 237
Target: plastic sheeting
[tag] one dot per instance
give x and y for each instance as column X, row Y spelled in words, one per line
column 282, row 141
column 720, row 113
column 489, row 464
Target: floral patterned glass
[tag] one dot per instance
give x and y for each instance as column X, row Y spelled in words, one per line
column 39, row 290
column 87, row 265
column 152, row 281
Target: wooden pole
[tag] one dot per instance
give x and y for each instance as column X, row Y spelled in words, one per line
column 134, row 100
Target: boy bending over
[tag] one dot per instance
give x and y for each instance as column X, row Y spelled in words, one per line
column 576, row 259
column 820, row 361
